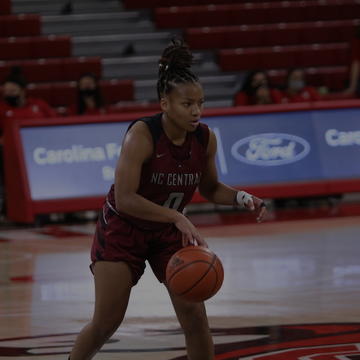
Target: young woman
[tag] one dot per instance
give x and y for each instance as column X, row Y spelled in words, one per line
column 16, row 104
column 296, row 89
column 164, row 158
column 89, row 99
column 256, row 90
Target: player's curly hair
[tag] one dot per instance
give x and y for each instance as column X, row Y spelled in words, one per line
column 175, row 67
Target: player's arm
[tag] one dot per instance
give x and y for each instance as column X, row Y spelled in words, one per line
column 136, row 149
column 219, row 193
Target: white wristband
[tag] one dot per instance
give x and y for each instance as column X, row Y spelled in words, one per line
column 242, row 198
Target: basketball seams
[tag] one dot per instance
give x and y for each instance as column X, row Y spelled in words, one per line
column 217, row 278
column 190, row 287
column 202, row 277
column 217, row 275
column 187, row 265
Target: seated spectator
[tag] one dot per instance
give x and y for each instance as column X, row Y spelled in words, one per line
column 15, row 103
column 354, row 73
column 256, row 90
column 261, row 95
column 89, row 99
column 296, row 89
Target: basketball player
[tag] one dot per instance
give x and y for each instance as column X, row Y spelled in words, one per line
column 164, row 158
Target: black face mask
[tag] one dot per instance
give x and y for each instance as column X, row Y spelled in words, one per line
column 13, row 101
column 88, row 92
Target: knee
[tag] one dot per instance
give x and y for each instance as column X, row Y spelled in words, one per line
column 105, row 328
column 195, row 321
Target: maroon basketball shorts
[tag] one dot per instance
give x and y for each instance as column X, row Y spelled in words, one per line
column 117, row 239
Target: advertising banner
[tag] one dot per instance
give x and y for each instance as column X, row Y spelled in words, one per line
column 72, row 161
column 338, row 138
column 266, row 148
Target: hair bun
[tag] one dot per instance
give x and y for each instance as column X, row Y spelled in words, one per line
column 175, row 67
column 176, row 56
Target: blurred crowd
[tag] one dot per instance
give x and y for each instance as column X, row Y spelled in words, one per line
column 255, row 88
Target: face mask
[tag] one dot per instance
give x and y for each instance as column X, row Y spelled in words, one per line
column 13, row 101
column 88, row 92
column 296, row 85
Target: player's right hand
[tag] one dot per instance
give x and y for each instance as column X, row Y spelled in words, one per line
column 190, row 235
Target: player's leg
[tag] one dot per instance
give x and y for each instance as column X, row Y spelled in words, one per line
column 193, row 320
column 113, row 282
column 192, row 316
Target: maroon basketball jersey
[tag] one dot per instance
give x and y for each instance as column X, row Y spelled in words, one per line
column 170, row 177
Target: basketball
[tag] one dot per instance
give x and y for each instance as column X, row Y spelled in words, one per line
column 194, row 273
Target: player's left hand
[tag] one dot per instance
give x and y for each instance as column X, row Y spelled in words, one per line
column 258, row 205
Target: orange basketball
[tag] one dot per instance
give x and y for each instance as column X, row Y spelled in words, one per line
column 194, row 273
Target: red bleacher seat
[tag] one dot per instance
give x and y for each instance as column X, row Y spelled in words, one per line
column 61, row 94
column 65, row 93
column 141, row 4
column 334, row 78
column 35, row 47
column 117, row 90
column 20, row 25
column 270, row 34
column 255, row 13
column 284, row 56
column 46, row 70
column 5, row 7
column 56, row 94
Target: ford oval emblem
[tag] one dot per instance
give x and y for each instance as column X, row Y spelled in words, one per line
column 270, row 149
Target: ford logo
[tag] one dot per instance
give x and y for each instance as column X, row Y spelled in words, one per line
column 270, row 149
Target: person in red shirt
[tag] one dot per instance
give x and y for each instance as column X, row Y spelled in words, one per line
column 16, row 105
column 354, row 71
column 296, row 89
column 89, row 99
column 256, row 90
column 164, row 159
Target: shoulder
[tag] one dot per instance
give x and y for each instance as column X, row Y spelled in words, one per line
column 212, row 141
column 241, row 98
column 36, row 101
column 314, row 95
column 137, row 145
column 138, row 129
column 139, row 134
column 3, row 106
column 150, row 124
column 202, row 134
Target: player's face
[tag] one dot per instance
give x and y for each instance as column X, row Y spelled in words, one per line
column 184, row 105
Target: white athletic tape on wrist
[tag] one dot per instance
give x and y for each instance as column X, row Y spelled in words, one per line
column 242, row 198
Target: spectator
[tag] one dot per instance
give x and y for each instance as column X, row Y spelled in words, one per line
column 16, row 104
column 89, row 99
column 296, row 89
column 354, row 78
column 256, row 90
column 262, row 95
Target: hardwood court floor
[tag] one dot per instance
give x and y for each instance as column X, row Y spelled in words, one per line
column 281, row 278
